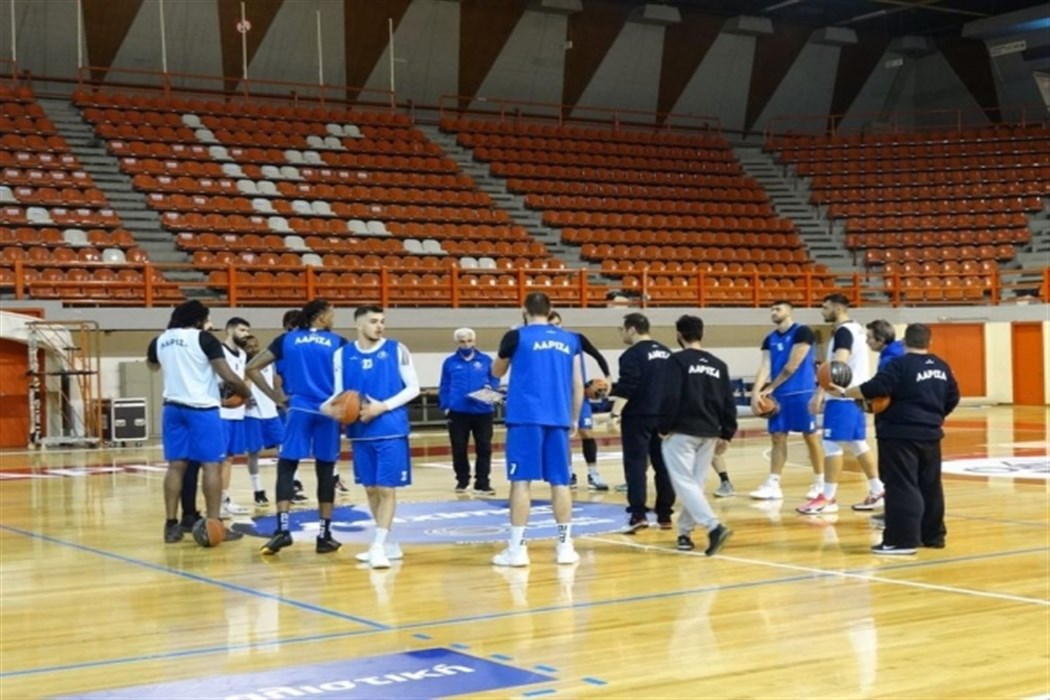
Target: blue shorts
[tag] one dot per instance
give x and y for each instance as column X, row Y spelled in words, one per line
column 384, row 462
column 310, row 435
column 539, row 452
column 262, row 433
column 189, row 434
column 843, row 421
column 586, row 416
column 794, row 416
column 233, row 436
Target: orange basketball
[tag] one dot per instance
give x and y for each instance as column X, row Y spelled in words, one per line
column 346, row 407
column 596, row 389
column 876, row 405
column 768, row 407
column 834, row 372
column 209, row 532
column 230, row 399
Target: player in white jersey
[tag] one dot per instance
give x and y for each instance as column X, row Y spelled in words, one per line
column 263, row 427
column 193, row 361
column 844, row 422
column 237, row 332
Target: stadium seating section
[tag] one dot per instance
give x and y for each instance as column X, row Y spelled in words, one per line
column 935, row 210
column 55, row 222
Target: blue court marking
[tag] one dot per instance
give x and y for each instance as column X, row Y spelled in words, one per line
column 501, row 657
column 545, row 668
column 457, row 645
column 421, row 636
column 198, row 578
column 595, row 681
column 1004, row 521
column 537, row 693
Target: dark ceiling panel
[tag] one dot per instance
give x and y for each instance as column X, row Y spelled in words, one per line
column 106, row 25
column 367, row 33
column 856, row 63
column 484, row 28
column 774, row 56
column 260, row 14
column 592, row 33
column 970, row 60
column 685, row 45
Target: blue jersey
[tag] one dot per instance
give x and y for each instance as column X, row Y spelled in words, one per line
column 376, row 374
column 779, row 346
column 304, row 361
column 540, row 390
column 891, row 351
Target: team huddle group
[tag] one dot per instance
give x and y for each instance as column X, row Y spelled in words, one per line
column 674, row 410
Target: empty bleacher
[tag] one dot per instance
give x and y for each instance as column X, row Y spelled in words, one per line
column 934, row 212
column 57, row 230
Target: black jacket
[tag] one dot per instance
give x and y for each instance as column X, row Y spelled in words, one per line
column 922, row 392
column 697, row 396
column 640, row 377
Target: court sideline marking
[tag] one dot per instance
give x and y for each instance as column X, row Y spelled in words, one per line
column 849, row 574
column 196, row 578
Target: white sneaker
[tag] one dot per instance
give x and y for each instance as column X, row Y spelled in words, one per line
column 566, row 554
column 518, row 557
column 767, row 492
column 393, row 552
column 377, row 557
column 229, row 509
column 815, row 489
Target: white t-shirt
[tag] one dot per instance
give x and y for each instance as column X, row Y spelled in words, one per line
column 185, row 356
column 264, row 408
column 851, row 336
column 236, row 359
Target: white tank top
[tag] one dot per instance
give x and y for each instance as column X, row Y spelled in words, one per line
column 188, row 375
column 858, row 356
column 264, row 408
column 236, row 359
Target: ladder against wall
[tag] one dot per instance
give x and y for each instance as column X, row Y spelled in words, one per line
column 65, row 405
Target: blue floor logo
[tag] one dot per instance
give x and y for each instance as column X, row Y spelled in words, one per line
column 444, row 522
column 429, row 673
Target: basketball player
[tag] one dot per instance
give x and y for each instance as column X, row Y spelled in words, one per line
column 304, row 359
column 788, row 367
column 844, row 422
column 290, row 322
column 639, row 383
column 586, row 427
column 923, row 392
column 380, row 369
column 697, row 420
column 263, row 428
column 543, row 410
column 192, row 361
column 237, row 332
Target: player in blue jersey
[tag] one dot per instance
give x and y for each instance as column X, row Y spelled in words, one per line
column 380, row 369
column 304, row 360
column 543, row 408
column 788, row 373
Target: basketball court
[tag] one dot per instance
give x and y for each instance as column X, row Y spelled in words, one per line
column 795, row 606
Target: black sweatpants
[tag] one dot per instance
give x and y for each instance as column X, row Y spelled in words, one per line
column 642, row 444
column 911, row 471
column 460, row 428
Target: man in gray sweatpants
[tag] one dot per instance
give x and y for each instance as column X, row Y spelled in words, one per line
column 697, row 421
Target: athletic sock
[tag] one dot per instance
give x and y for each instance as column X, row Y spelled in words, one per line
column 283, row 520
column 381, row 535
column 774, row 479
column 517, row 538
column 564, row 534
column 724, row 476
column 257, row 484
column 830, row 490
column 326, row 528
column 876, row 486
column 592, row 470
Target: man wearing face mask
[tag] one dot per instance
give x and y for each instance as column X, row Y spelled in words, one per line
column 464, row 372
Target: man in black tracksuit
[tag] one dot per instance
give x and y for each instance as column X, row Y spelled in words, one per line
column 640, row 382
column 922, row 391
column 697, row 420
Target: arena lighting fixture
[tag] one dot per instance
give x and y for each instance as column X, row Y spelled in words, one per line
column 779, row 5
column 869, row 15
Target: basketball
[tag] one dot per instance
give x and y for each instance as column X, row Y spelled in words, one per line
column 596, row 389
column 834, row 372
column 230, row 399
column 875, row 405
column 768, row 407
column 346, row 407
column 209, row 532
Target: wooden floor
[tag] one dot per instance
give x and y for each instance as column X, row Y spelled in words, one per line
column 92, row 599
